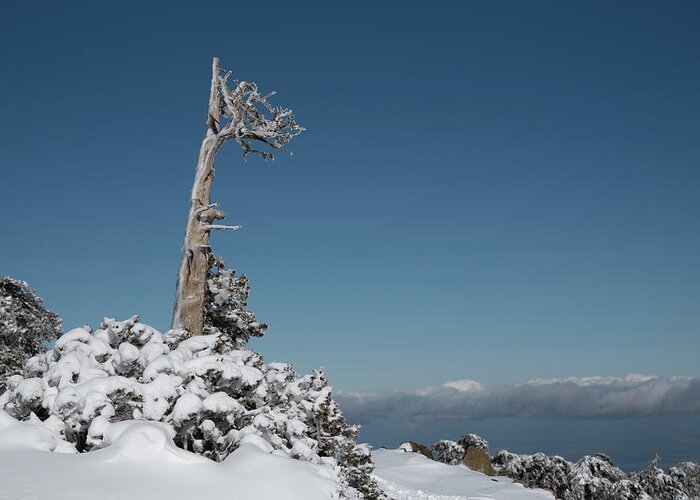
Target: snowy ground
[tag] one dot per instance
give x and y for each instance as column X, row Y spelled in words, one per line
column 143, row 463
column 411, row 476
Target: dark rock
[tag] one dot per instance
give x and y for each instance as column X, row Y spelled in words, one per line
column 477, row 459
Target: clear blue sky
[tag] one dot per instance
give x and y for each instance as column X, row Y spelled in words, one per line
column 486, row 190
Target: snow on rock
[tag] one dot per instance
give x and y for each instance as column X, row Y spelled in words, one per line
column 467, row 441
column 412, row 476
column 413, row 447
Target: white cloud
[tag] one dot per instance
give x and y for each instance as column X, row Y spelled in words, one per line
column 586, row 397
column 465, row 385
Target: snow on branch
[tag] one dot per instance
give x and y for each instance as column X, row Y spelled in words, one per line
column 248, row 116
column 209, row 227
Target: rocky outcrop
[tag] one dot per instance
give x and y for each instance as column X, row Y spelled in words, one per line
column 476, row 454
column 478, row 460
column 473, row 441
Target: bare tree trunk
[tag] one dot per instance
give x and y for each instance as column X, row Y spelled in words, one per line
column 188, row 310
column 248, row 116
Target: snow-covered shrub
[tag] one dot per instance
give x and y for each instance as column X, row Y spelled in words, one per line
column 24, row 326
column 688, row 475
column 596, row 477
column 535, row 471
column 659, row 484
column 211, row 396
column 227, row 295
column 448, row 452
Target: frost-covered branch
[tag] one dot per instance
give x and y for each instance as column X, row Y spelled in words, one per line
column 205, row 208
column 209, row 227
column 251, row 117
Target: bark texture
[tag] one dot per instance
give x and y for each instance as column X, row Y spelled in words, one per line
column 188, row 311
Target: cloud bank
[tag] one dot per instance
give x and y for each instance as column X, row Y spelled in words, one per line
column 587, row 397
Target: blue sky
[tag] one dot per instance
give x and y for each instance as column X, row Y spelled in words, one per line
column 494, row 191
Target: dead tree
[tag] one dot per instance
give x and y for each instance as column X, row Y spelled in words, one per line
column 237, row 111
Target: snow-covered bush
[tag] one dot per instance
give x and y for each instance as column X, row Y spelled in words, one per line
column 688, row 475
column 24, row 326
column 659, row 484
column 448, row 452
column 596, row 477
column 227, row 295
column 535, row 471
column 211, row 396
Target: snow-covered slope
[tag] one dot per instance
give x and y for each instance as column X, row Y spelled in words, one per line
column 143, row 463
column 412, row 476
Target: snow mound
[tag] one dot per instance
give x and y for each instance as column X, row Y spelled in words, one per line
column 16, row 435
column 142, row 463
column 137, row 441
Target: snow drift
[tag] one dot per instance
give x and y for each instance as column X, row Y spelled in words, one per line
column 142, row 462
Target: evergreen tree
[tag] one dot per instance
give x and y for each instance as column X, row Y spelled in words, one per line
column 227, row 295
column 25, row 324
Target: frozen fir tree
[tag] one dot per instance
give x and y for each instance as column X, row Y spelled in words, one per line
column 25, row 324
column 224, row 313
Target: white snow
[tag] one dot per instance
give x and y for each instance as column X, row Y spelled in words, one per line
column 140, row 462
column 412, row 476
